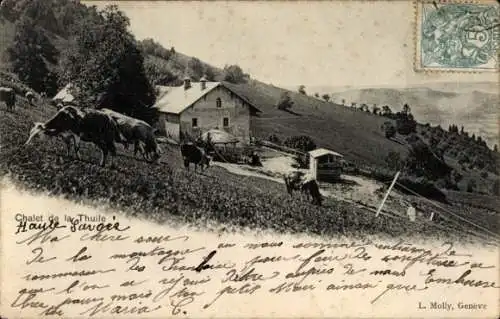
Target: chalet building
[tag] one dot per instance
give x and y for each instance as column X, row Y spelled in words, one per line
column 195, row 108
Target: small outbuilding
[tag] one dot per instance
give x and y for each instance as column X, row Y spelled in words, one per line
column 64, row 96
column 219, row 137
column 325, row 165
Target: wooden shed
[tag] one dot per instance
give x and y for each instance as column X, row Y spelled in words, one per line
column 325, row 165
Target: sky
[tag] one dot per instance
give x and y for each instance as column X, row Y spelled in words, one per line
column 324, row 43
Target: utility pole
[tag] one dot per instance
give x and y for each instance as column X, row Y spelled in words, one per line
column 387, row 194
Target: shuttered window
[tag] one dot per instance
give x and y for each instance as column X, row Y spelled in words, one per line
column 225, row 121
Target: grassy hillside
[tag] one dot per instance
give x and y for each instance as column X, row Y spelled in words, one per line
column 475, row 109
column 357, row 135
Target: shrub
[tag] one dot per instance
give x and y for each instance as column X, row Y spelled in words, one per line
column 228, row 155
column 234, row 74
column 303, row 143
column 421, row 161
column 285, row 102
column 495, row 190
column 302, row 161
column 405, row 126
column 471, row 186
column 412, row 139
column 423, row 187
column 302, row 90
column 457, row 177
column 273, row 138
column 405, row 123
column 447, row 183
column 393, row 160
column 389, row 129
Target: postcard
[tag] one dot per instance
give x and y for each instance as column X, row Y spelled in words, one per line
column 249, row 159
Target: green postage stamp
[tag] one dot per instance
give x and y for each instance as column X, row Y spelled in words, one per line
column 457, row 36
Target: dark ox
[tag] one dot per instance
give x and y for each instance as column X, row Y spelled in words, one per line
column 194, row 154
column 298, row 181
column 137, row 132
column 88, row 125
column 8, row 96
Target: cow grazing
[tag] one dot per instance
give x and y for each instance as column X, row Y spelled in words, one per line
column 139, row 133
column 297, row 180
column 30, row 97
column 68, row 137
column 88, row 125
column 8, row 96
column 293, row 181
column 194, row 154
column 311, row 188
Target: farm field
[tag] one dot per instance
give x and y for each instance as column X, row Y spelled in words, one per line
column 167, row 193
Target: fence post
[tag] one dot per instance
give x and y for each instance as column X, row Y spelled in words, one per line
column 387, row 194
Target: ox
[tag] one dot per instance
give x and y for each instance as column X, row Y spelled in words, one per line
column 8, row 96
column 194, row 154
column 137, row 132
column 68, row 137
column 299, row 181
column 89, row 125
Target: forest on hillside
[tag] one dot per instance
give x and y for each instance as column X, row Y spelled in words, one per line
column 57, row 42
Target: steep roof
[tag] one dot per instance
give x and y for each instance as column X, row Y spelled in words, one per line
column 64, row 94
column 323, row 151
column 176, row 99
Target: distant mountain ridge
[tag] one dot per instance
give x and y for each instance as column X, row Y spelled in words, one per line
column 456, row 87
column 474, row 106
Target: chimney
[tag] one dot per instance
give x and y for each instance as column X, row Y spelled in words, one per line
column 203, row 83
column 187, row 82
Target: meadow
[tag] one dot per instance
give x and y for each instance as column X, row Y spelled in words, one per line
column 330, row 125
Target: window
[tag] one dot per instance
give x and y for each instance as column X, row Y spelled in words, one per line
column 218, row 102
column 225, row 122
column 194, row 122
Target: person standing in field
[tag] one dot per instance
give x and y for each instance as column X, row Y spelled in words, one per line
column 411, row 212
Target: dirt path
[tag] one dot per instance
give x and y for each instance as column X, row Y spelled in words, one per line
column 246, row 171
column 353, row 189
